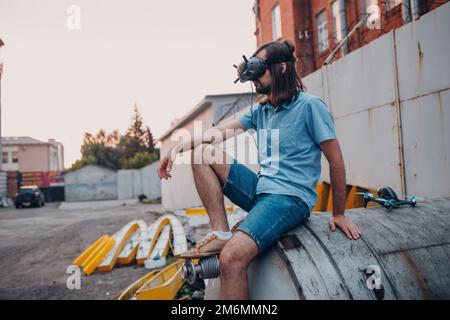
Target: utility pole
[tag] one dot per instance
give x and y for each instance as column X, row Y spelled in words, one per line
column 1, row 71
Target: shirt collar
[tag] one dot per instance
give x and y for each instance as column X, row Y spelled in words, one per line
column 286, row 105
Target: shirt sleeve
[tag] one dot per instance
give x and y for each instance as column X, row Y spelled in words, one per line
column 248, row 119
column 319, row 121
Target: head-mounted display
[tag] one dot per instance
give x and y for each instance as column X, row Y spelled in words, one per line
column 253, row 68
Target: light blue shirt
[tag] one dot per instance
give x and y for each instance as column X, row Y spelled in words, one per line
column 289, row 157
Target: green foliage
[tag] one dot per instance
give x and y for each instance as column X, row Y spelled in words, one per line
column 134, row 150
column 140, row 160
column 135, row 137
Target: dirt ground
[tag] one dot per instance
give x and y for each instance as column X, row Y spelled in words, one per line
column 38, row 244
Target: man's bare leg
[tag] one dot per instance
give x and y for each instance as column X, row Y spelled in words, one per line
column 234, row 260
column 210, row 168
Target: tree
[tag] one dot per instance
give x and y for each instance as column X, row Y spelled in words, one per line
column 135, row 137
column 102, row 149
column 150, row 141
column 140, row 160
column 134, row 150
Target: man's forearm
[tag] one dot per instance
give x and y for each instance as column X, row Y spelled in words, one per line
column 212, row 135
column 338, row 187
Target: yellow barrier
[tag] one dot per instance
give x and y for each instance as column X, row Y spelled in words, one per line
column 202, row 211
column 352, row 200
column 129, row 292
column 98, row 256
column 83, row 257
column 120, row 238
column 164, row 285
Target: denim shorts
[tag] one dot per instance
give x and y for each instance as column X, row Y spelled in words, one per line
column 269, row 215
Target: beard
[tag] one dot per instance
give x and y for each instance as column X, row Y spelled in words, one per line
column 262, row 89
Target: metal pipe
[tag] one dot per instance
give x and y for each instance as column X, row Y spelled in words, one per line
column 1, row 147
column 398, row 110
column 258, row 18
column 359, row 24
column 343, row 17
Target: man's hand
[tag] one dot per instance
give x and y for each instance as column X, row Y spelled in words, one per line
column 345, row 224
column 165, row 164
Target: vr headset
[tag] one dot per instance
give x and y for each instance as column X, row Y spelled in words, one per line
column 253, row 68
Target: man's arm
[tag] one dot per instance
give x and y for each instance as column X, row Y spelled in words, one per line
column 212, row 135
column 332, row 152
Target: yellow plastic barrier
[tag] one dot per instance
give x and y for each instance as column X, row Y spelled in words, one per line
column 98, row 256
column 86, row 253
column 121, row 238
column 194, row 211
column 129, row 292
column 164, row 285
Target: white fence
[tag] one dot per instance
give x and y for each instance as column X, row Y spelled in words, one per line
column 97, row 183
column 132, row 183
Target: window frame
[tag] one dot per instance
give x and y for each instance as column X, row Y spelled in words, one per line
column 390, row 7
column 16, row 158
column 320, row 41
column 276, row 22
column 5, row 157
column 337, row 22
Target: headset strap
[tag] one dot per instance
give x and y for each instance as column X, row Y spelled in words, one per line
column 279, row 60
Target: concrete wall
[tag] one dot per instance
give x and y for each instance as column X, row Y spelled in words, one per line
column 133, row 182
column 151, row 185
column 91, row 183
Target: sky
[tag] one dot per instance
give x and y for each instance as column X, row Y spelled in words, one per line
column 165, row 56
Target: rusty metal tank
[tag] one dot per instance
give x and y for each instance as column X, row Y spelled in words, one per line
column 406, row 250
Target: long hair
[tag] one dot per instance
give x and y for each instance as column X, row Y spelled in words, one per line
column 284, row 85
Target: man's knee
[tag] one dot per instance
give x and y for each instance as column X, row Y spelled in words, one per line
column 229, row 260
column 237, row 253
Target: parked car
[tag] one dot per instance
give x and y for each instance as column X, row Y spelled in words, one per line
column 29, row 196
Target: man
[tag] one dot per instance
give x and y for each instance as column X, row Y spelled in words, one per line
column 280, row 197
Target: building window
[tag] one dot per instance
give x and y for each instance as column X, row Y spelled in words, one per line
column 322, row 31
column 15, row 159
column 392, row 4
column 337, row 22
column 276, row 23
column 5, row 157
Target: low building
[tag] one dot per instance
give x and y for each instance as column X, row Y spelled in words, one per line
column 179, row 192
column 26, row 154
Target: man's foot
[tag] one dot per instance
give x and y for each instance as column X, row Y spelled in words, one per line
column 208, row 246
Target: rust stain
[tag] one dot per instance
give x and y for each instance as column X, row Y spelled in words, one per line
column 420, row 56
column 417, row 275
column 443, row 124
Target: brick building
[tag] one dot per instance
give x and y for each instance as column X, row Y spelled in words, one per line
column 317, row 27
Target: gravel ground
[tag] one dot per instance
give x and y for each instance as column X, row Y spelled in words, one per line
column 38, row 244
